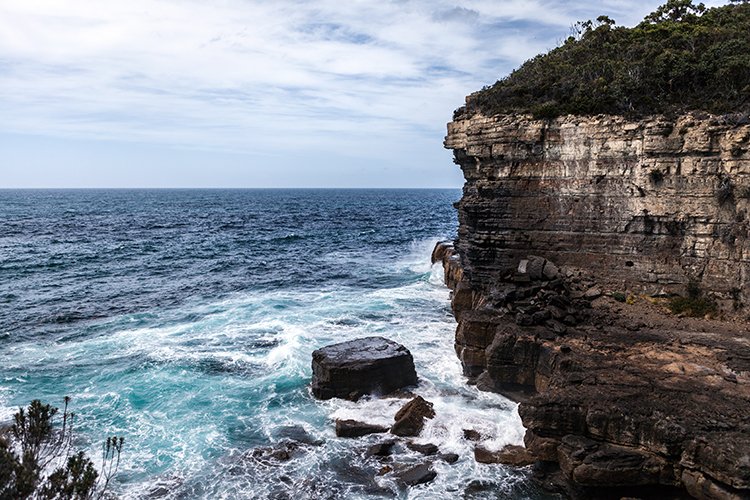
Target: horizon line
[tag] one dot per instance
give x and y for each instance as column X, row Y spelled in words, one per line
column 213, row 188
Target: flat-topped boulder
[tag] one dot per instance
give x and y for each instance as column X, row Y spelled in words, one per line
column 371, row 365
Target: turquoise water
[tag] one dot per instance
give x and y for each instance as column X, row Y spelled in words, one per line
column 185, row 321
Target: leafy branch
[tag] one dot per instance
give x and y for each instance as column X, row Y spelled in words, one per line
column 682, row 57
column 33, row 444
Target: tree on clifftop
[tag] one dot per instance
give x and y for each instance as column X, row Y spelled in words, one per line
column 682, row 57
column 675, row 11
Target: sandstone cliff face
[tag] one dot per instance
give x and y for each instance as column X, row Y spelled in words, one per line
column 650, row 205
column 618, row 399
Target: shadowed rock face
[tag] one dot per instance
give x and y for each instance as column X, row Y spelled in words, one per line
column 363, row 366
column 625, row 397
column 616, row 397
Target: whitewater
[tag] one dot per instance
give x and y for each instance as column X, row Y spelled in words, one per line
column 185, row 321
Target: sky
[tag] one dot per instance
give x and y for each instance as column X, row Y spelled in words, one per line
column 257, row 93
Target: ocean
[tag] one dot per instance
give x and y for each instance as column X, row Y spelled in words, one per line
column 184, row 320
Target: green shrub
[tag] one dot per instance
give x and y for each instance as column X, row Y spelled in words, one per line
column 36, row 442
column 619, row 296
column 682, row 57
column 695, row 305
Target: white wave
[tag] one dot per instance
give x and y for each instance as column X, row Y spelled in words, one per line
column 291, row 340
column 182, row 422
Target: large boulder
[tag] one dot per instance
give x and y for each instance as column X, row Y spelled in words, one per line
column 371, row 365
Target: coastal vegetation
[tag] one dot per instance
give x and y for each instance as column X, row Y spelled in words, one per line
column 682, row 57
column 694, row 305
column 36, row 459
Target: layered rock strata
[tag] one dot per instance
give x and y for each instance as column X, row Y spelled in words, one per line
column 618, row 398
column 650, row 205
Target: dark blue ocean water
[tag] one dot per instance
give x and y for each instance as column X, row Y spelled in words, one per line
column 185, row 319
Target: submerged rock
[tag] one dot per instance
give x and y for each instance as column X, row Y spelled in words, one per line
column 472, row 435
column 424, row 449
column 353, row 428
column 420, row 474
column 298, row 434
column 372, row 365
column 478, row 486
column 278, row 452
column 410, row 418
column 450, row 458
column 383, row 449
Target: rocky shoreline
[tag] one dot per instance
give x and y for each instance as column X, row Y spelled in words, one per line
column 378, row 368
column 573, row 233
column 618, row 399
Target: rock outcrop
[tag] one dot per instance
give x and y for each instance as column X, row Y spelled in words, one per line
column 409, row 420
column 419, row 474
column 650, row 205
column 371, row 365
column 354, row 428
column 517, row 456
column 560, row 221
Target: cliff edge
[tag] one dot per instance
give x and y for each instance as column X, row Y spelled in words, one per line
column 573, row 234
column 650, row 205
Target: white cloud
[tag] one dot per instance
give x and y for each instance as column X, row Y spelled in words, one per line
column 365, row 77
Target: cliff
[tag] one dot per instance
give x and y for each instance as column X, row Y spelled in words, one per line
column 652, row 204
column 570, row 231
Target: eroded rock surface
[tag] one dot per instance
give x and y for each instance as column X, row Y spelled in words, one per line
column 555, row 217
column 651, row 204
column 517, row 456
column 626, row 396
column 371, row 365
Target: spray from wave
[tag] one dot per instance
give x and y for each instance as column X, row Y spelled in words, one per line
column 206, row 371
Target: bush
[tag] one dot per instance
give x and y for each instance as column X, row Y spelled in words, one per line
column 35, row 444
column 695, row 305
column 619, row 296
column 682, row 57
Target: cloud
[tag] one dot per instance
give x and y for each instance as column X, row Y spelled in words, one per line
column 458, row 14
column 370, row 78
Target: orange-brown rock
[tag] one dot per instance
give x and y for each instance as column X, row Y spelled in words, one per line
column 517, row 456
column 410, row 418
